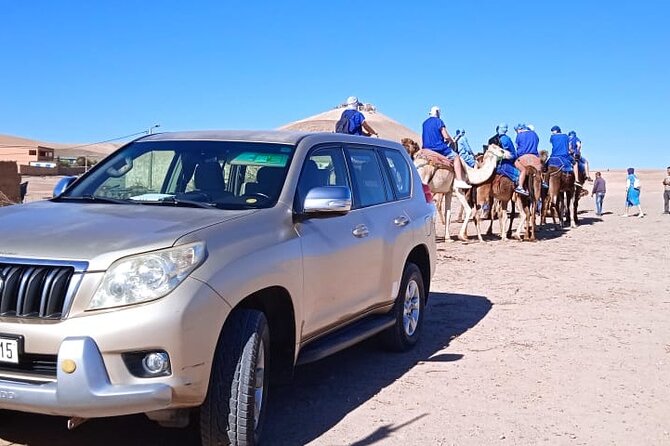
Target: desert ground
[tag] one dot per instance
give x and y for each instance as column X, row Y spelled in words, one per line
column 565, row 341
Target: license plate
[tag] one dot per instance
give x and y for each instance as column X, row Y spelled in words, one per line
column 9, row 350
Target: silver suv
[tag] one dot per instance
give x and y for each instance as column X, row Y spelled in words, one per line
column 188, row 270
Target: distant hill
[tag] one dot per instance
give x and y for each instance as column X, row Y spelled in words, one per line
column 325, row 122
column 91, row 151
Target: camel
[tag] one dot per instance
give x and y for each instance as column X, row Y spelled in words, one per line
column 561, row 192
column 496, row 193
column 441, row 181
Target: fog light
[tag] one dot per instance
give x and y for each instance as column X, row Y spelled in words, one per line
column 156, row 363
column 68, row 366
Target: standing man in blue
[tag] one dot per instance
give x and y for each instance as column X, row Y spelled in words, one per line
column 560, row 150
column 352, row 121
column 527, row 154
column 435, row 137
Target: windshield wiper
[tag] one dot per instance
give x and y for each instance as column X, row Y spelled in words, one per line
column 181, row 202
column 92, row 199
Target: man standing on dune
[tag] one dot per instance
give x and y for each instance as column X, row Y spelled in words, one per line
column 352, row 122
column 666, row 193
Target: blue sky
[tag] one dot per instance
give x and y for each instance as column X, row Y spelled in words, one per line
column 82, row 71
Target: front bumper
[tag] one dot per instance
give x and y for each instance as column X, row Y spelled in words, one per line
column 87, row 392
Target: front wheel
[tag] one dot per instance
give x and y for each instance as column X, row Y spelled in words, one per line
column 234, row 409
column 408, row 311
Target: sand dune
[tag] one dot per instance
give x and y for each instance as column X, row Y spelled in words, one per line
column 325, row 122
column 61, row 149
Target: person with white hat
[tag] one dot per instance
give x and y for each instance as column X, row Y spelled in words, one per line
column 436, row 138
column 352, row 121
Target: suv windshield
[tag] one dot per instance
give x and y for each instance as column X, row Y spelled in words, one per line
column 225, row 175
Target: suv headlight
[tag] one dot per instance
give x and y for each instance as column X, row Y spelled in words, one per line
column 146, row 277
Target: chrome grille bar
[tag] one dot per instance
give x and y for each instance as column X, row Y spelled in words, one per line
column 35, row 290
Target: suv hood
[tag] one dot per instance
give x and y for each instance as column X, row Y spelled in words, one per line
column 98, row 233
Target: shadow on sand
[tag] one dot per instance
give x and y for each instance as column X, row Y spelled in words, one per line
column 321, row 394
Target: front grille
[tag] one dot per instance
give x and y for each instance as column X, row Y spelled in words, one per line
column 33, row 291
column 31, row 365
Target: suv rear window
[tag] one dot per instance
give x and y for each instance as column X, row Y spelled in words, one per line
column 369, row 186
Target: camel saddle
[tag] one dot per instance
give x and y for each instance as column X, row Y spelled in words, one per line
column 435, row 159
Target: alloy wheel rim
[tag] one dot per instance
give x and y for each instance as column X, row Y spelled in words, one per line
column 412, row 308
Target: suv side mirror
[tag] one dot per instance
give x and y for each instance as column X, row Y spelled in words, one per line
column 328, row 200
column 63, row 184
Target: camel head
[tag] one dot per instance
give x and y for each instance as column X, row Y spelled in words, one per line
column 496, row 151
column 410, row 146
column 544, row 156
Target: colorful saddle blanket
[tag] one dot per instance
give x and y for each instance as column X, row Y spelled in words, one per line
column 565, row 164
column 434, row 159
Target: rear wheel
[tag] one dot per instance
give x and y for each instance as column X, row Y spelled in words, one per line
column 234, row 409
column 408, row 311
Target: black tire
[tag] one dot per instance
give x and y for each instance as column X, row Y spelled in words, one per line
column 398, row 337
column 229, row 415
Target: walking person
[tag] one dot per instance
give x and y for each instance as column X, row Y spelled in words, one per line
column 599, row 189
column 666, row 193
column 633, row 193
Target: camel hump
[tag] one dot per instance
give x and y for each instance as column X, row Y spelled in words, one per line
column 435, row 159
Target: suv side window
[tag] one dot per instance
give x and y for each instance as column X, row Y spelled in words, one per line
column 399, row 172
column 366, row 173
column 323, row 167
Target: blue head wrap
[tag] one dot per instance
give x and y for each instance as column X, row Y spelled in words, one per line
column 556, row 129
column 520, row 126
column 501, row 129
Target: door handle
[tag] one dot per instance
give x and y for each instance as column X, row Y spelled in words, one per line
column 360, row 231
column 401, row 221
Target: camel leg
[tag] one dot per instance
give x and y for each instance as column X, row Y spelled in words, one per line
column 511, row 216
column 467, row 210
column 530, row 233
column 568, row 210
column 522, row 219
column 439, row 204
column 502, row 220
column 492, row 211
column 478, row 221
column 559, row 209
column 447, row 216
